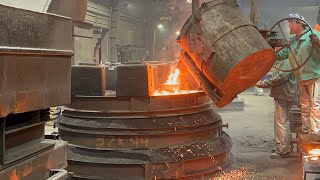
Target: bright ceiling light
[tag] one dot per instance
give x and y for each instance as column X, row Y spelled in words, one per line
column 160, row 26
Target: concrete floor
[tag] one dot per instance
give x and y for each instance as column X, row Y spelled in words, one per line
column 252, row 133
column 49, row 128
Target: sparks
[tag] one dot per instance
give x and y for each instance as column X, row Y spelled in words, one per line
column 242, row 173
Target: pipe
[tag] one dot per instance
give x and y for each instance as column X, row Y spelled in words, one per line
column 195, row 10
column 318, row 17
column 225, row 125
column 60, row 175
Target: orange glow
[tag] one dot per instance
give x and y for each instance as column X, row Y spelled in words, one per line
column 314, row 152
column 27, row 170
column 172, row 86
column 313, row 155
column 164, row 93
column 14, row 175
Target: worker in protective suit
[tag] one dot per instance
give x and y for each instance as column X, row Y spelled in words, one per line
column 305, row 43
column 284, row 91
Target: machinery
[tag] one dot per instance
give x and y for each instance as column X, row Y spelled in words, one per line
column 225, row 56
column 30, row 85
column 155, row 127
column 36, row 50
column 152, row 128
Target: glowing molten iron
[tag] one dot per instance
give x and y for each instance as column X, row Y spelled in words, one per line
column 173, row 78
column 172, row 86
column 315, row 152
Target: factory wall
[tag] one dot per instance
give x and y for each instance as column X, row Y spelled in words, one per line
column 130, row 30
column 83, row 42
column 99, row 16
column 273, row 10
column 132, row 27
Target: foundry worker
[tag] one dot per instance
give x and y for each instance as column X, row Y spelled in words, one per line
column 304, row 43
column 284, row 91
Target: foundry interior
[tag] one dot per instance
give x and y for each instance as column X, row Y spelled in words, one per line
column 159, row 89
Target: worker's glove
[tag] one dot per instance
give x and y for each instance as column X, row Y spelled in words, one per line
column 263, row 84
column 314, row 39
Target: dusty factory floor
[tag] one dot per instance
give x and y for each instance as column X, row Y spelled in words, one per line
column 252, row 133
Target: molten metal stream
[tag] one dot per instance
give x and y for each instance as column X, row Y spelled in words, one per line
column 172, row 86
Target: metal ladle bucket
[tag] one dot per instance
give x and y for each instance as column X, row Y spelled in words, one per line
column 224, row 51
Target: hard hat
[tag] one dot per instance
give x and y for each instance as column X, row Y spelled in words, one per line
column 296, row 15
